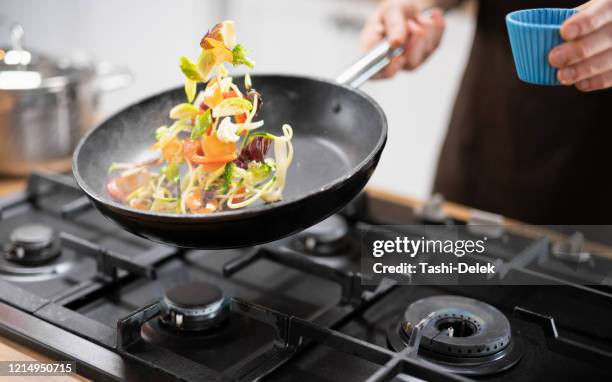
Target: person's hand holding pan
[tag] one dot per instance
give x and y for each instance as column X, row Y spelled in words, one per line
column 585, row 59
column 404, row 23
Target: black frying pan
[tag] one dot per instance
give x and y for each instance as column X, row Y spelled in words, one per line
column 339, row 135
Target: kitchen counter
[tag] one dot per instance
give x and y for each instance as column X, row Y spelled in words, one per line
column 12, row 351
column 8, row 186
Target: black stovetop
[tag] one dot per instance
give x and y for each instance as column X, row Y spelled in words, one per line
column 295, row 309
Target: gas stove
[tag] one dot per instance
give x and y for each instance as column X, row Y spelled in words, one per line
column 76, row 287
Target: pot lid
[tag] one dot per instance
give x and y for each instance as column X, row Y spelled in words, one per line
column 22, row 68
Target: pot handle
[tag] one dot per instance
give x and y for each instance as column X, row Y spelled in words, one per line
column 110, row 77
column 369, row 64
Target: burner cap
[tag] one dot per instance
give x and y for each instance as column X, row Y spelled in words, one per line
column 194, row 295
column 327, row 238
column 194, row 306
column 32, row 236
column 32, row 244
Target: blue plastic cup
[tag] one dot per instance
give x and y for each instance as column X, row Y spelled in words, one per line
column 533, row 33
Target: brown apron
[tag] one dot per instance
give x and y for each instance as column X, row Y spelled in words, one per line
column 535, row 153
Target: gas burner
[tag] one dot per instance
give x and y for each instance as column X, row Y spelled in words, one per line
column 33, row 254
column 194, row 306
column 328, row 238
column 464, row 335
column 32, row 244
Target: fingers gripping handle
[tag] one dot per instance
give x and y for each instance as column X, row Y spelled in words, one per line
column 373, row 61
column 369, row 64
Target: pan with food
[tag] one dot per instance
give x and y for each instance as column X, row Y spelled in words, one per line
column 234, row 161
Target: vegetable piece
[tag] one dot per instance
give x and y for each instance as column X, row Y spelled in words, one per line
column 190, row 70
column 226, row 131
column 161, row 132
column 224, row 31
column 164, row 204
column 213, row 94
column 171, row 172
column 283, row 153
column 199, row 101
column 239, row 57
column 222, row 71
column 239, row 191
column 214, row 33
column 220, row 52
column 255, row 150
column 227, row 177
column 206, row 64
column 139, row 204
column 193, row 153
column 122, row 186
column 251, row 96
column 118, row 166
column 248, row 84
column 241, row 118
column 197, row 204
column 114, row 191
column 203, row 123
column 230, row 94
column 228, row 32
column 184, row 110
column 171, row 133
column 190, row 89
column 212, row 146
column 172, row 151
column 259, row 171
column 231, row 106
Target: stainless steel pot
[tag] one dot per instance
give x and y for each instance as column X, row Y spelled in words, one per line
column 46, row 106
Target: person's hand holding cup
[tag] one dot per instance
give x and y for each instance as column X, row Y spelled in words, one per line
column 585, row 58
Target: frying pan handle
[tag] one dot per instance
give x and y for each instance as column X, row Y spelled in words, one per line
column 369, row 64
